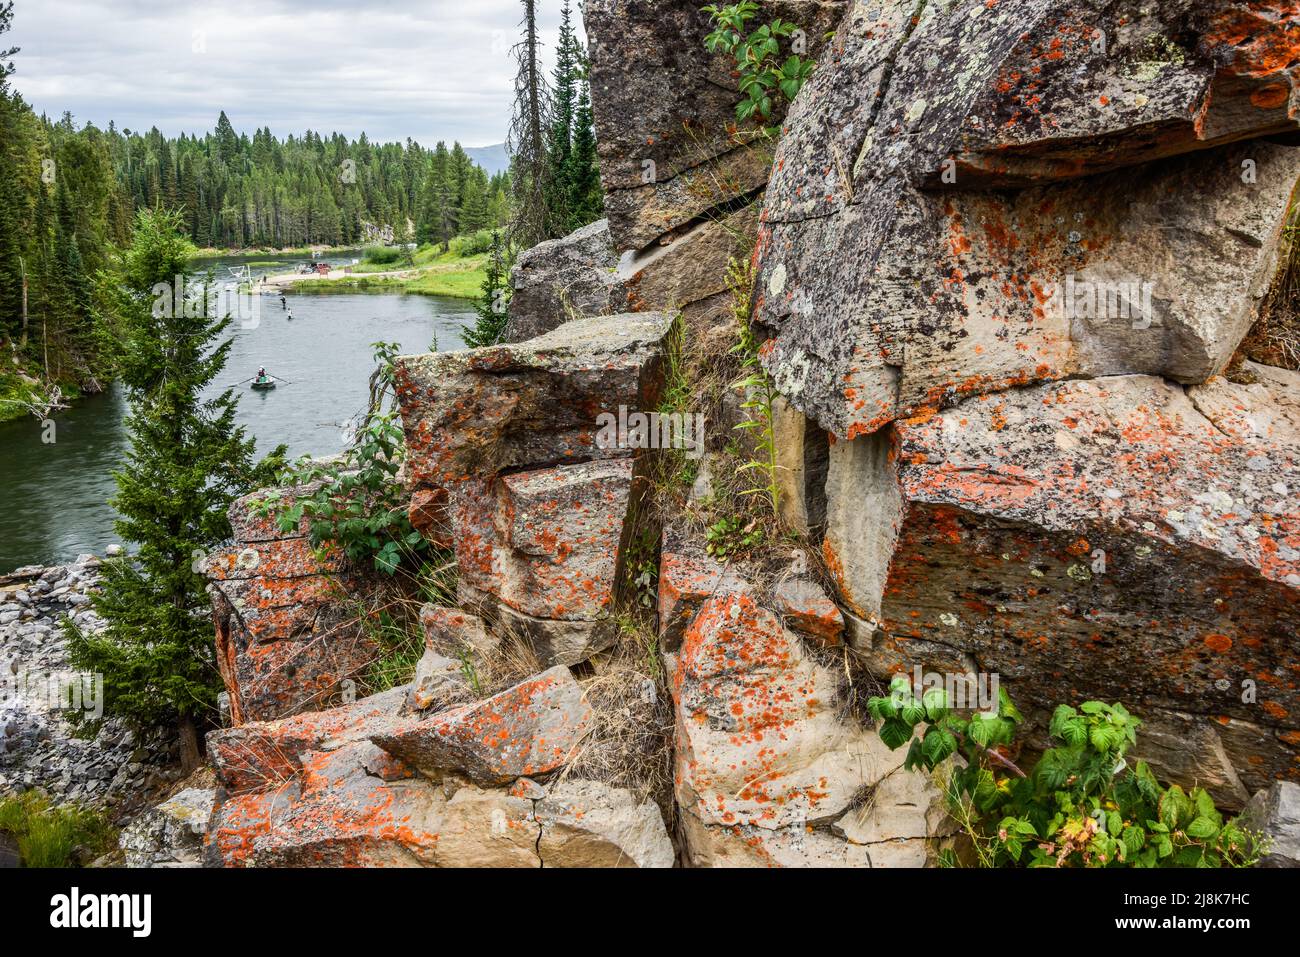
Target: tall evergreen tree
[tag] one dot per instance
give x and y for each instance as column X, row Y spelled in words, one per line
column 12, row 264
column 187, row 463
column 474, row 207
column 564, row 105
column 586, row 198
column 492, row 308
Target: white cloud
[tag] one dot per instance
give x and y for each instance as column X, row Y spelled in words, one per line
column 427, row 69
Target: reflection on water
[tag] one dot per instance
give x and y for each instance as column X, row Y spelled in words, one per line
column 53, row 496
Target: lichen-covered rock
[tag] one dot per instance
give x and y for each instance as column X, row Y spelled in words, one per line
column 472, row 415
column 683, row 179
column 591, row 824
column 804, row 606
column 1119, row 538
column 760, row 742
column 540, row 551
column 370, row 786
column 530, row 729
column 940, row 287
column 285, row 643
column 688, row 577
column 766, row 759
column 1275, row 814
column 537, row 505
column 561, row 280
column 429, row 515
column 261, row 755
column 170, row 834
column 453, row 632
column 343, row 809
column 439, row 683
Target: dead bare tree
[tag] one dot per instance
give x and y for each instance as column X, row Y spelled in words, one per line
column 529, row 218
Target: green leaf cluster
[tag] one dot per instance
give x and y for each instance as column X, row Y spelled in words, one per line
column 1083, row 804
column 766, row 78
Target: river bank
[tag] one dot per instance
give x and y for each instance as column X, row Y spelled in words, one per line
column 208, row 252
column 430, row 273
column 24, row 394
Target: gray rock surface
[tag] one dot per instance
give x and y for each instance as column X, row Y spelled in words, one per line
column 942, row 288
column 1275, row 813
column 170, row 834
column 38, row 748
column 561, row 280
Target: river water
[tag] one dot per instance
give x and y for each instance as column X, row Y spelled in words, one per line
column 54, row 495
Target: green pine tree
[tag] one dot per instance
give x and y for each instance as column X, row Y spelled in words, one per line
column 493, row 315
column 564, row 104
column 586, row 199
column 187, row 462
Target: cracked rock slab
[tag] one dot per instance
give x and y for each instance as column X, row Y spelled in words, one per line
column 529, row 405
column 530, row 729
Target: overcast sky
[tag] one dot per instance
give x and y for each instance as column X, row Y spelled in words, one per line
column 427, row 69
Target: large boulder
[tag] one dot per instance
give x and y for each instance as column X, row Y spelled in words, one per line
column 561, row 280
column 669, row 143
column 943, row 288
column 1275, row 814
column 1120, row 538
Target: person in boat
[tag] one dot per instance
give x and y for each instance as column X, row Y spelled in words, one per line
column 262, row 377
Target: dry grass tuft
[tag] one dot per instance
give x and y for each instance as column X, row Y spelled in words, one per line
column 630, row 744
column 1275, row 338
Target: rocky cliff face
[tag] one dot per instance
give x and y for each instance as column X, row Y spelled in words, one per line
column 1021, row 194
column 1005, row 257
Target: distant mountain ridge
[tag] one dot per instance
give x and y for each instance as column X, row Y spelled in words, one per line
column 493, row 159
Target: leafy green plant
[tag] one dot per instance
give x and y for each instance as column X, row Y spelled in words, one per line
column 759, row 393
column 731, row 536
column 49, row 836
column 765, row 79
column 384, row 255
column 356, row 502
column 1081, row 805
